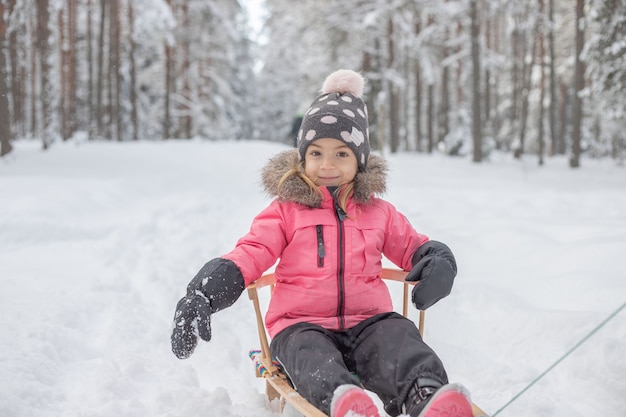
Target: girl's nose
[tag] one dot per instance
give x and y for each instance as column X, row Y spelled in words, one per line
column 327, row 162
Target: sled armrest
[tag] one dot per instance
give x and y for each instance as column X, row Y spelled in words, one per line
column 399, row 275
column 266, row 357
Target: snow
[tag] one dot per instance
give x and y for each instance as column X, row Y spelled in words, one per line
column 99, row 241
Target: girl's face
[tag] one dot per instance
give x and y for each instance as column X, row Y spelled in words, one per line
column 330, row 162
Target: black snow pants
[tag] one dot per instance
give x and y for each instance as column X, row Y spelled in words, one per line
column 384, row 354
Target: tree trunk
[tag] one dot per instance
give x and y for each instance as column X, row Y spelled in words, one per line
column 418, row 109
column 134, row 118
column 542, row 86
column 564, row 106
column 431, row 118
column 460, row 82
column 514, row 71
column 169, row 66
column 476, row 102
column 43, row 39
column 186, row 110
column 67, row 44
column 394, row 118
column 100, row 113
column 418, row 93
column 556, row 149
column 495, row 117
column 169, row 63
column 18, row 76
column 72, row 26
column 527, row 70
column 115, row 78
column 444, row 109
column 91, row 125
column 375, row 88
column 33, row 74
column 487, row 80
column 5, row 122
column 393, row 99
column 63, row 50
column 579, row 84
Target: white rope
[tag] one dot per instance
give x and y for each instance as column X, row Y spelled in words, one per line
column 569, row 352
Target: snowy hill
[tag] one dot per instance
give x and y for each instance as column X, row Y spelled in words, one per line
column 99, row 240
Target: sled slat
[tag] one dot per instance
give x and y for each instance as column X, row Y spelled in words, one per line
column 290, row 395
column 477, row 412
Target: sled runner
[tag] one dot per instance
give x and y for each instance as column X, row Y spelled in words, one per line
column 277, row 384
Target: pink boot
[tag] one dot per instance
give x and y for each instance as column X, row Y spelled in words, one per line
column 352, row 401
column 451, row 400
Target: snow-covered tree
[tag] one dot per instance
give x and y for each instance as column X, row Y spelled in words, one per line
column 605, row 55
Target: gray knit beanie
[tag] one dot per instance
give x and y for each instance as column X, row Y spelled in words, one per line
column 339, row 113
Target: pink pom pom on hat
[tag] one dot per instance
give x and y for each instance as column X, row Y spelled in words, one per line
column 344, row 81
column 339, row 113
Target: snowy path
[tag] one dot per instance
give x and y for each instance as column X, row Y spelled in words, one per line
column 98, row 242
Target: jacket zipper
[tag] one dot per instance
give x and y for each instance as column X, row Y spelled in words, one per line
column 341, row 216
column 321, row 253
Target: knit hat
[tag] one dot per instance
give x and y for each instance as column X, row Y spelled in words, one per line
column 339, row 113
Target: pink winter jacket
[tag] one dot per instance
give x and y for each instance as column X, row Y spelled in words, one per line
column 329, row 267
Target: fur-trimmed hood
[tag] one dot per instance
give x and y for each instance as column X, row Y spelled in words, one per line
column 367, row 183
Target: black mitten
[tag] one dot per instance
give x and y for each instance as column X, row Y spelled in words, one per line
column 434, row 269
column 192, row 318
column 216, row 286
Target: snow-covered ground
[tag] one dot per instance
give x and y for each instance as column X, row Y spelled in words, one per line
column 99, row 240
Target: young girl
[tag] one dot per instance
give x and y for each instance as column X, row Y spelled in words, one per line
column 330, row 318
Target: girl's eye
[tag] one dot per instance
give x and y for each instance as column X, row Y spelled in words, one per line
column 315, row 153
column 342, row 154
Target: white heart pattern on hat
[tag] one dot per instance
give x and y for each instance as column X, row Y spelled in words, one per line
column 355, row 136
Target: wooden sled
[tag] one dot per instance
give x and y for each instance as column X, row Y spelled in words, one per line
column 277, row 384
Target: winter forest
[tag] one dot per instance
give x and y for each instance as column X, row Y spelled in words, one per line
column 461, row 77
column 132, row 138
